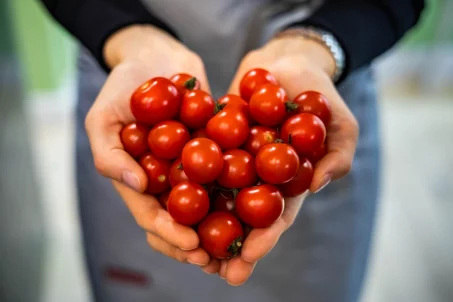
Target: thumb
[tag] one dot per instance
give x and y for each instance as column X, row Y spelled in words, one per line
column 109, row 156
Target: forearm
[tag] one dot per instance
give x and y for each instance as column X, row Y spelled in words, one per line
column 366, row 29
column 92, row 22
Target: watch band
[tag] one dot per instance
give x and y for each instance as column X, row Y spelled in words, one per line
column 327, row 40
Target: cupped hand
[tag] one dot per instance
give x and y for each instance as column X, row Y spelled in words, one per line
column 298, row 65
column 137, row 54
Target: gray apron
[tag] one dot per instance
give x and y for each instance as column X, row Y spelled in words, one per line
column 323, row 257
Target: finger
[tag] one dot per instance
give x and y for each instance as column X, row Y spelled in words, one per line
column 103, row 124
column 212, row 267
column 153, row 218
column 261, row 241
column 111, row 160
column 342, row 137
column 223, row 268
column 197, row 256
column 238, row 271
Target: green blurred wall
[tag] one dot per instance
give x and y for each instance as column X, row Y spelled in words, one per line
column 427, row 31
column 47, row 52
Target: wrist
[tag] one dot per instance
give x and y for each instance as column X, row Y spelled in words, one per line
column 312, row 50
column 134, row 42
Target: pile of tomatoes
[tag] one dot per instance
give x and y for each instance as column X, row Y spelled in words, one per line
column 220, row 166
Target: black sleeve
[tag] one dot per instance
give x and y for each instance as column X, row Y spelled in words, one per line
column 93, row 21
column 366, row 28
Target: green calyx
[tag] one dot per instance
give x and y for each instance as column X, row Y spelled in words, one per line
column 218, row 107
column 190, row 84
column 235, row 247
column 291, row 106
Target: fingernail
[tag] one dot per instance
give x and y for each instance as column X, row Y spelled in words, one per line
column 131, row 180
column 325, row 181
column 208, row 272
column 195, row 263
column 235, row 284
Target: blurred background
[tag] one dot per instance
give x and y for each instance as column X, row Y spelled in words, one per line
column 40, row 252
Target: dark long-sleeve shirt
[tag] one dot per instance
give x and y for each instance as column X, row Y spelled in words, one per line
column 364, row 28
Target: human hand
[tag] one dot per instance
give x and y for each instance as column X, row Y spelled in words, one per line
column 136, row 54
column 298, row 65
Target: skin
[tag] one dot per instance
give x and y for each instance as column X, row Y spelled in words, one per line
column 135, row 54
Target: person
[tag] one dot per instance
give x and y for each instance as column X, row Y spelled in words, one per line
column 326, row 46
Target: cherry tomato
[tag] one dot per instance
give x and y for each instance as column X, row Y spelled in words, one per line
column 199, row 133
column 221, row 235
column 252, row 80
column 259, row 136
column 163, row 199
column 202, row 160
column 134, row 138
column 177, row 174
column 185, row 82
column 155, row 101
column 238, row 170
column 196, row 109
column 157, row 171
column 188, row 203
column 259, row 206
column 318, row 154
column 315, row 103
column 228, row 128
column 305, row 132
column 277, row 163
column 268, row 105
column 166, row 139
column 301, row 182
column 235, row 101
column 224, row 201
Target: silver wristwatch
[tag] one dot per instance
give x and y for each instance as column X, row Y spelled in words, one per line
column 328, row 41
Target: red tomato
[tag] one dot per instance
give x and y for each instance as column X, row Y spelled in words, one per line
column 221, row 235
column 134, row 138
column 157, row 171
column 238, row 170
column 202, row 160
column 155, row 101
column 166, row 139
column 177, row 173
column 200, row 133
column 185, row 82
column 268, row 105
column 277, row 163
column 223, row 202
column 301, row 182
column 315, row 103
column 252, row 80
column 259, row 206
column 228, row 128
column 318, row 154
column 163, row 199
column 188, row 203
column 305, row 132
column 196, row 109
column 259, row 136
column 235, row 101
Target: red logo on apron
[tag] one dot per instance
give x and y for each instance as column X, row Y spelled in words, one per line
column 125, row 275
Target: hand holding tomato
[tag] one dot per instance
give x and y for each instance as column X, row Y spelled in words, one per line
column 298, row 65
column 137, row 54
